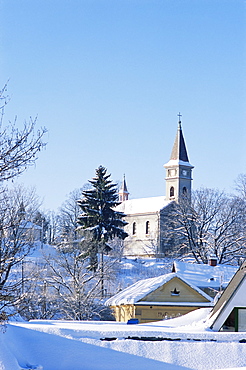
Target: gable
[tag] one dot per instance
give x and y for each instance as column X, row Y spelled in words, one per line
column 175, row 290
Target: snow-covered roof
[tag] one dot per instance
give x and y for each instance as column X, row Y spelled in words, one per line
column 141, row 288
column 142, row 205
column 203, row 275
column 29, row 225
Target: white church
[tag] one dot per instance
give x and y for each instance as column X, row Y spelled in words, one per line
column 146, row 216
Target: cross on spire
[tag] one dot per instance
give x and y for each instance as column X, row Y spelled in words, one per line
column 179, row 115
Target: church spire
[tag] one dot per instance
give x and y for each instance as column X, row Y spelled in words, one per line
column 178, row 169
column 179, row 151
column 123, row 192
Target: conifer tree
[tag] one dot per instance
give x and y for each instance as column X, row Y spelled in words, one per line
column 99, row 217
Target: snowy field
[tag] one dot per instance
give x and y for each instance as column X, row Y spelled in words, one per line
column 182, row 343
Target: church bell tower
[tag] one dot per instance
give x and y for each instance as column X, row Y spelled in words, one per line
column 178, row 169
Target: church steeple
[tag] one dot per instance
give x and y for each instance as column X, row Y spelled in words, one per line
column 179, row 151
column 123, row 192
column 178, row 169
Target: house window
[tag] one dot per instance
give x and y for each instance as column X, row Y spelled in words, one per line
column 236, row 321
column 172, row 191
column 134, row 228
column 147, row 227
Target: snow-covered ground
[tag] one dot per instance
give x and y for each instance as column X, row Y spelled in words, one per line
column 182, row 343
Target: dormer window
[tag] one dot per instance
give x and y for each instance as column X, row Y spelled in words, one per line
column 175, row 292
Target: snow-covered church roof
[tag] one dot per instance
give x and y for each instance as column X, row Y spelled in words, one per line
column 141, row 288
column 142, row 205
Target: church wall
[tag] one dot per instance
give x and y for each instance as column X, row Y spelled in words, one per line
column 143, row 231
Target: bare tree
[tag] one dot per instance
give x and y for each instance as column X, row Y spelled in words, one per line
column 19, row 148
column 240, row 185
column 17, row 239
column 70, row 283
column 68, row 215
column 212, row 223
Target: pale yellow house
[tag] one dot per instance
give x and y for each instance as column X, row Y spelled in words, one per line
column 158, row 298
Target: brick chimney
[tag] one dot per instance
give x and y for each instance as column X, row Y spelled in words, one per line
column 212, row 260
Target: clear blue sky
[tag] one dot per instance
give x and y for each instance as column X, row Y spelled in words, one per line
column 107, row 79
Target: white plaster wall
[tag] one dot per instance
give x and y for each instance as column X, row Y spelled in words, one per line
column 141, row 243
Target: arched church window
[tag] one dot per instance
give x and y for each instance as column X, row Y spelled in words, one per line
column 184, row 190
column 147, row 227
column 172, row 191
column 134, row 228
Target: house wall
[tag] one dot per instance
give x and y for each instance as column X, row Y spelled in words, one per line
column 140, row 242
column 156, row 313
column 123, row 313
column 149, row 313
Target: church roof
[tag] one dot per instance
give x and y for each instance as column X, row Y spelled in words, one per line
column 143, row 205
column 179, row 151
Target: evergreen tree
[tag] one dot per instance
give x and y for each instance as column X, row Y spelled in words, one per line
column 99, row 217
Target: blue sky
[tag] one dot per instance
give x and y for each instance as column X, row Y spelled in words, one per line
column 107, row 79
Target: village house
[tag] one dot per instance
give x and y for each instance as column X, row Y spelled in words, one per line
column 158, row 298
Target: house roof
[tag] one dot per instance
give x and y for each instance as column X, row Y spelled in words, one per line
column 230, row 292
column 143, row 205
column 203, row 276
column 141, row 288
column 29, row 225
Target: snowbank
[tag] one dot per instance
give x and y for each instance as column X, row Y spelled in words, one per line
column 181, row 343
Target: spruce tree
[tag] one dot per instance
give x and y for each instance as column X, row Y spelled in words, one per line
column 99, row 217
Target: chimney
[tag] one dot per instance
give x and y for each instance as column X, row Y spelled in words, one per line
column 212, row 261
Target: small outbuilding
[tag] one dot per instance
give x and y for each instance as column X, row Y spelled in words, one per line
column 158, row 298
column 229, row 313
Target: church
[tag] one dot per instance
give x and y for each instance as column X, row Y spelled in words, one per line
column 146, row 217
